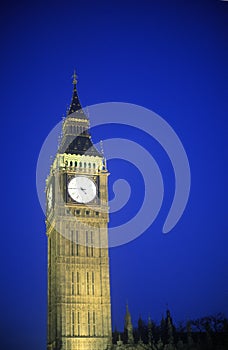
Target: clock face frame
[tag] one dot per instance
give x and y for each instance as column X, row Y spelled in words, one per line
column 82, row 189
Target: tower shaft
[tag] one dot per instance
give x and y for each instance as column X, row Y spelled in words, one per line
column 79, row 316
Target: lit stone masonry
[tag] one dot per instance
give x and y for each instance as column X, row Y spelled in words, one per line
column 79, row 315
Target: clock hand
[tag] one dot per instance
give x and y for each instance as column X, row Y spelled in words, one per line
column 83, row 189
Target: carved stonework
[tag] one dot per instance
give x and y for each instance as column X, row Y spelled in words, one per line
column 79, row 315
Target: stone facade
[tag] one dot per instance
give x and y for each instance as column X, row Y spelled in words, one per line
column 79, row 315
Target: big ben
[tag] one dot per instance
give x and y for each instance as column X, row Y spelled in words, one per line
column 79, row 315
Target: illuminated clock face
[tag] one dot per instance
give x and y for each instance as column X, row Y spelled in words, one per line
column 49, row 197
column 82, row 189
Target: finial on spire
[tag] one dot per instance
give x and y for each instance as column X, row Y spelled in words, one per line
column 74, row 76
column 104, row 164
column 101, row 146
column 75, row 105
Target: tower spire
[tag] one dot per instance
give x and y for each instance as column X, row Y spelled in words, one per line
column 74, row 78
column 75, row 103
column 128, row 326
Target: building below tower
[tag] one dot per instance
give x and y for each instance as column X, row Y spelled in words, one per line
column 207, row 333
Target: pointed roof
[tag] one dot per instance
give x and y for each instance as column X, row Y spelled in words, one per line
column 128, row 326
column 75, row 105
column 127, row 317
column 75, row 141
column 83, row 145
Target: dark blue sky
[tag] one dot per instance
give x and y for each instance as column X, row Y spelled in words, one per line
column 168, row 56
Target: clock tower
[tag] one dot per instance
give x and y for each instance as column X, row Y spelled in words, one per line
column 79, row 315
